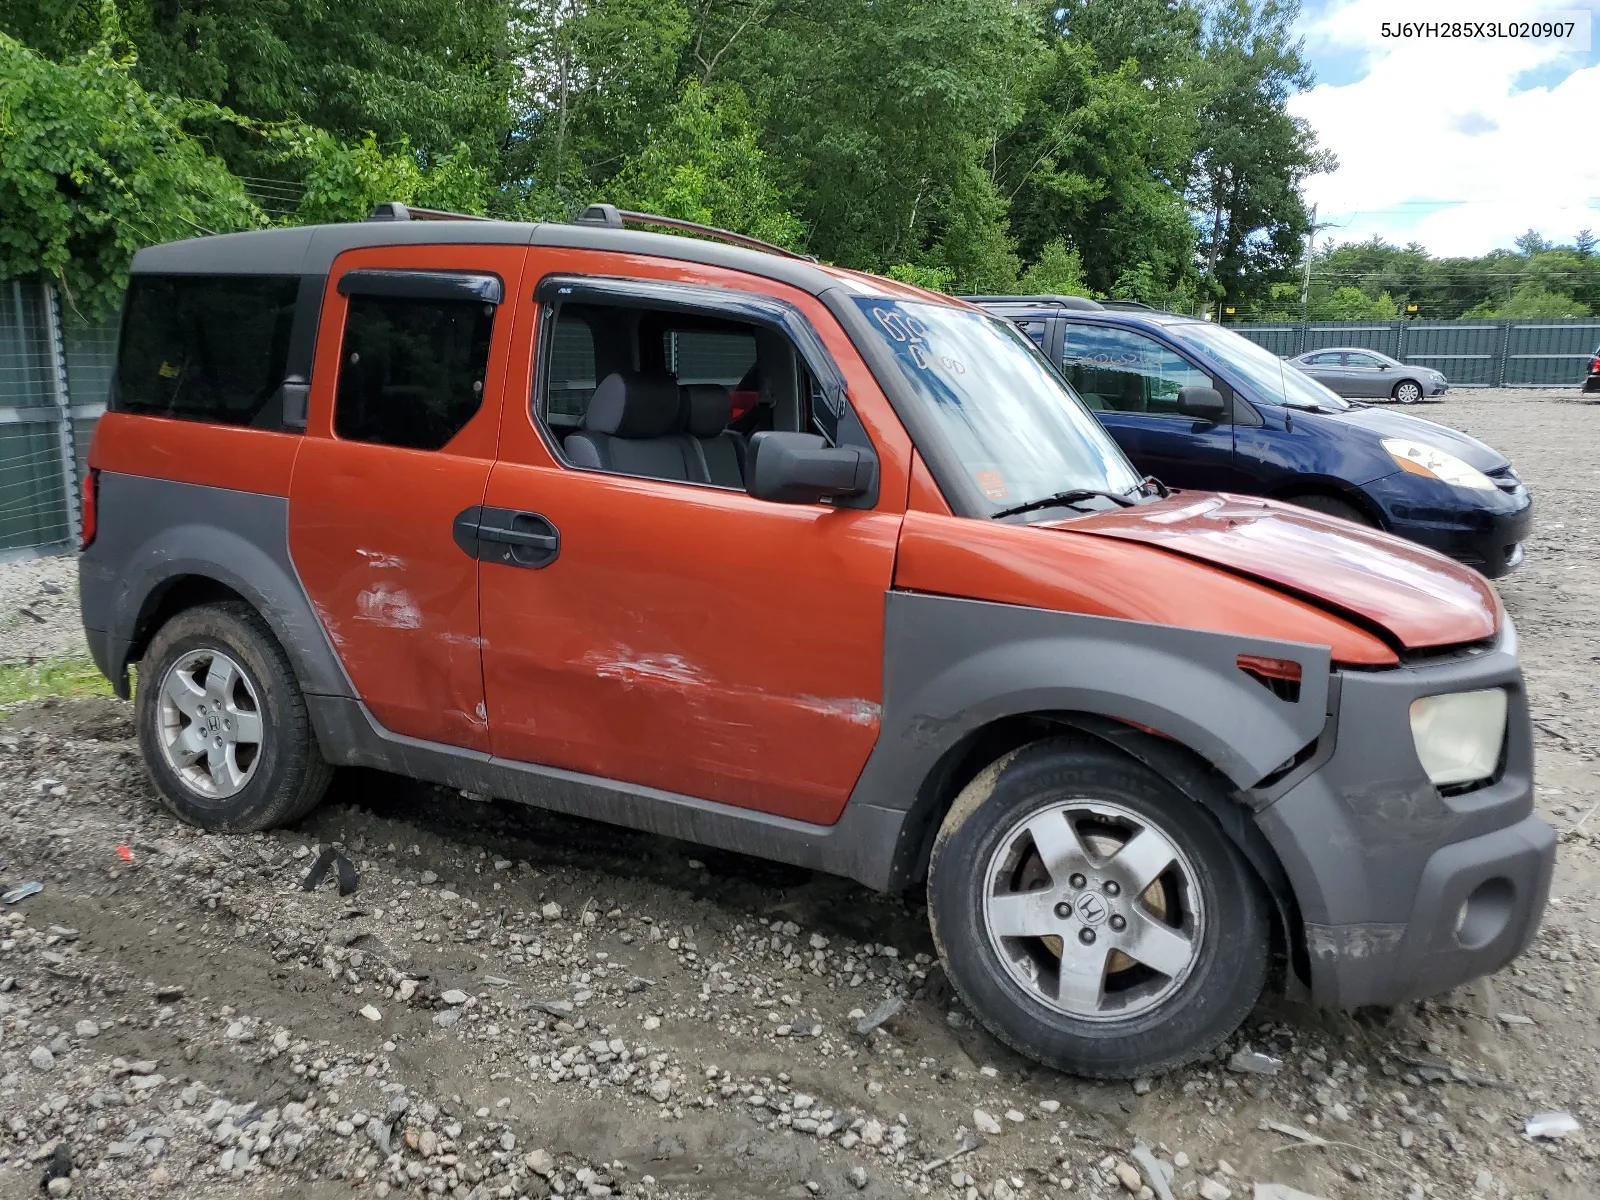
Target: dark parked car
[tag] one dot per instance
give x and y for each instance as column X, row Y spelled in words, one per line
column 1592, row 384
column 1198, row 406
column 1357, row 371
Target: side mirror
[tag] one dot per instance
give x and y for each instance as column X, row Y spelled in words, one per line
column 801, row 468
column 1202, row 403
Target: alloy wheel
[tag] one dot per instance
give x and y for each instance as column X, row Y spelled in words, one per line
column 211, row 727
column 1093, row 909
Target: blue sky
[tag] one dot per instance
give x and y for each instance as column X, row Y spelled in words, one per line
column 1461, row 145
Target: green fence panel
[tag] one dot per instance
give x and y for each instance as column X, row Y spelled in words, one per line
column 1467, row 353
column 1550, row 353
column 1485, row 353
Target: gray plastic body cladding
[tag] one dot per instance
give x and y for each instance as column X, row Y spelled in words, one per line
column 953, row 666
column 1380, row 860
column 859, row 846
column 152, row 532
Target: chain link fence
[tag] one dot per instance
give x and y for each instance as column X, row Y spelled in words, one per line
column 1549, row 352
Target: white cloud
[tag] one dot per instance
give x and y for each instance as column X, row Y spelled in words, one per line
column 1441, row 120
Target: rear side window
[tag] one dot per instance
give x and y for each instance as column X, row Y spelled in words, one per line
column 572, row 371
column 205, row 347
column 411, row 371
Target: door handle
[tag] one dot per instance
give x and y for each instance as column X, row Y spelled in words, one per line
column 506, row 536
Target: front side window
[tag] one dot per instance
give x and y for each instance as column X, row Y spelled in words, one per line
column 411, row 371
column 205, row 347
column 1272, row 380
column 1118, row 370
column 1019, row 432
column 1361, row 360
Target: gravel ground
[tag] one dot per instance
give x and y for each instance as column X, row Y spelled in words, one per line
column 39, row 610
column 516, row 1004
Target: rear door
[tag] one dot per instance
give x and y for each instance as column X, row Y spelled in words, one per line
column 1327, row 368
column 1131, row 381
column 402, row 429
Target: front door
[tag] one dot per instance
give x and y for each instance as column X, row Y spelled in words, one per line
column 1365, row 375
column 670, row 630
column 401, row 433
column 1131, row 381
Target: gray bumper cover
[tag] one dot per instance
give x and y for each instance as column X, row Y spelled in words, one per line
column 1403, row 891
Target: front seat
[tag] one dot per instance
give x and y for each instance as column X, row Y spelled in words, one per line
column 631, row 428
column 720, row 450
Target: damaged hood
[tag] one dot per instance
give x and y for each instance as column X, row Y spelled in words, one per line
column 1421, row 598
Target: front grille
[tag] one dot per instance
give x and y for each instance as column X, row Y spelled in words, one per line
column 1505, row 479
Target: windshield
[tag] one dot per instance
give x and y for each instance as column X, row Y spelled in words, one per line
column 1020, row 432
column 1275, row 381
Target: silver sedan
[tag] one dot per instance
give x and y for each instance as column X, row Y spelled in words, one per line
column 1356, row 371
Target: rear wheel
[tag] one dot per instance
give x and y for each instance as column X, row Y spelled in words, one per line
column 1091, row 916
column 1331, row 506
column 223, row 725
column 1407, row 391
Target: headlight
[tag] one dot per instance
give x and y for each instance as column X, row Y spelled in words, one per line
column 1459, row 736
column 1431, row 463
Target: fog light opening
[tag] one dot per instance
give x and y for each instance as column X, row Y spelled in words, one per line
column 1484, row 913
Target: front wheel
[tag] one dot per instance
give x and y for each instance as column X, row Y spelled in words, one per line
column 1091, row 916
column 1407, row 392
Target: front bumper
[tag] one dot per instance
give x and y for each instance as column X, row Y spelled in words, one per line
column 1484, row 530
column 1404, row 891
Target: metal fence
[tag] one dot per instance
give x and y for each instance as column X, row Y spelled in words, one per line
column 1551, row 352
column 53, row 377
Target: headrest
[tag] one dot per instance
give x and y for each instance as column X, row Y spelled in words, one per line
column 710, row 408
column 630, row 405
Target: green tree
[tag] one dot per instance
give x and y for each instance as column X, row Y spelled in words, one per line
column 1252, row 154
column 1058, row 271
column 1530, row 299
column 93, row 167
column 1353, row 304
column 343, row 183
column 705, row 163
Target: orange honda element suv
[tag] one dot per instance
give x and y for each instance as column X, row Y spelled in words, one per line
column 468, row 501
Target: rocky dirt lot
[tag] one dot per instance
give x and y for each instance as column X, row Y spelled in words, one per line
column 513, row 1004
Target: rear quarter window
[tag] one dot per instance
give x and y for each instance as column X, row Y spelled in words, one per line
column 205, row 347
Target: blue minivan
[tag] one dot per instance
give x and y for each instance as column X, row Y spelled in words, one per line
column 1198, row 406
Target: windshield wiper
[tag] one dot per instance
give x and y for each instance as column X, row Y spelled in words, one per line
column 1070, row 498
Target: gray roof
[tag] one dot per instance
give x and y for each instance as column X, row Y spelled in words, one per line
column 311, row 249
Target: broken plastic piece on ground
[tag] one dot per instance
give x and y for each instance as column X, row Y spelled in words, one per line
column 319, row 869
column 1253, row 1062
column 22, row 891
column 59, row 1166
column 125, row 854
column 1551, row 1125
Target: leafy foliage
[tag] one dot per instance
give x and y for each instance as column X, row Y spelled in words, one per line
column 344, row 183
column 704, row 164
column 92, row 167
column 972, row 145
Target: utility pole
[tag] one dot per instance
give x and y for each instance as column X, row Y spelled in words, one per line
column 1305, row 282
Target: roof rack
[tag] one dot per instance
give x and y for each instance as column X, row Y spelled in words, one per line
column 606, row 215
column 1128, row 305
column 612, row 217
column 393, row 210
column 1078, row 302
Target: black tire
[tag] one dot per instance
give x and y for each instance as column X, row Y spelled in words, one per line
column 1407, row 391
column 289, row 774
column 1332, row 506
column 1230, row 949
